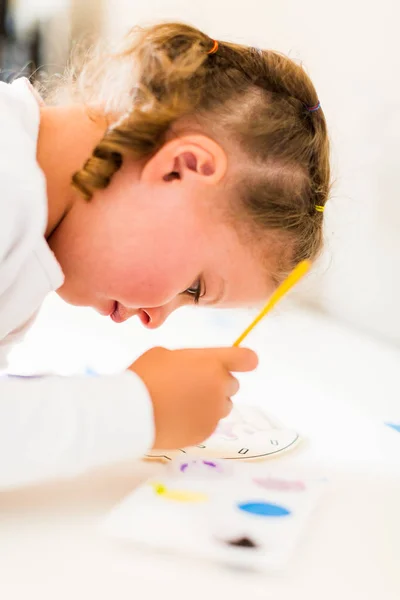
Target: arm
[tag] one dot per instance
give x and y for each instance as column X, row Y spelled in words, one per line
column 60, row 427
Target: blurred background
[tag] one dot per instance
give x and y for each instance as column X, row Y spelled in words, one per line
column 350, row 49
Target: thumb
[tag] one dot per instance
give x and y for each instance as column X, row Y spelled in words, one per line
column 237, row 359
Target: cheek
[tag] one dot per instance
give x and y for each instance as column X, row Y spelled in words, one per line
column 150, row 276
column 94, row 248
column 142, row 257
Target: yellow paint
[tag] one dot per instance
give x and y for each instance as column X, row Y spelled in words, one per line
column 295, row 276
column 178, row 495
column 159, row 488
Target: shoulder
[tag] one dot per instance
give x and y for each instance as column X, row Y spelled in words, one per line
column 23, row 196
column 20, row 105
column 19, row 131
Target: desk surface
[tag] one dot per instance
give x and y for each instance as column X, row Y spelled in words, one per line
column 50, row 546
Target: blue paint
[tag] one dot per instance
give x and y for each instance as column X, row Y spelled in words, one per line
column 395, row 426
column 264, row 509
column 90, row 372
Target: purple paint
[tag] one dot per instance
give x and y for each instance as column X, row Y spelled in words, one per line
column 207, row 463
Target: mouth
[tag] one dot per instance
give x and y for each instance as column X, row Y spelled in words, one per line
column 116, row 314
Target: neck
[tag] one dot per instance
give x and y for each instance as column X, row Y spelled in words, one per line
column 67, row 136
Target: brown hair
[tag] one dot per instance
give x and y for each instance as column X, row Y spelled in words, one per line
column 258, row 98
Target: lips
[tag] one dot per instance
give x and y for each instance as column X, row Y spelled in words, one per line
column 117, row 314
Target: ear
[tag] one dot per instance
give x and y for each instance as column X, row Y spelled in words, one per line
column 187, row 158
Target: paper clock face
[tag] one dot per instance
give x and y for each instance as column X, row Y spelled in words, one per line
column 247, row 434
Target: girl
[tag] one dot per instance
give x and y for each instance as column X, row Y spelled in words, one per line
column 205, row 174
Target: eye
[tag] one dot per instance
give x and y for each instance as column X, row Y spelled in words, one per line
column 195, row 291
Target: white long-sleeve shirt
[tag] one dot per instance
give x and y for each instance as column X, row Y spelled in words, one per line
column 50, row 426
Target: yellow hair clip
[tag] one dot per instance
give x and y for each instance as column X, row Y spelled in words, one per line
column 319, row 208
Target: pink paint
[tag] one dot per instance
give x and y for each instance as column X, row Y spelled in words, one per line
column 232, row 431
column 226, row 431
column 281, row 485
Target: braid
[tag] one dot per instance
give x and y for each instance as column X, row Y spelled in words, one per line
column 170, row 79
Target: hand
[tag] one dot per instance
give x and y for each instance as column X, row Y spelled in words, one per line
column 191, row 390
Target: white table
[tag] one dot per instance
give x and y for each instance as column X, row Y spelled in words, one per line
column 338, row 391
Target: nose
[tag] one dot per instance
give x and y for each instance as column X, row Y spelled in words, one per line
column 156, row 316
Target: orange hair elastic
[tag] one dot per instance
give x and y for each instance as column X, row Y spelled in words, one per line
column 214, row 48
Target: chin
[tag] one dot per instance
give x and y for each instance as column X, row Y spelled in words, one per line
column 69, row 298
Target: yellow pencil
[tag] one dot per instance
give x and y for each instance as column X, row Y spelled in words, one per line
column 295, row 276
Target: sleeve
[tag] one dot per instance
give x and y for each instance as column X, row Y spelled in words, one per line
column 23, row 219
column 53, row 427
column 24, row 282
column 12, row 339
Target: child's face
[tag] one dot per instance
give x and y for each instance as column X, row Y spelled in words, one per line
column 143, row 241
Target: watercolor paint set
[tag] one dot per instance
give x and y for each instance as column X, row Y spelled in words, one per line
column 240, row 514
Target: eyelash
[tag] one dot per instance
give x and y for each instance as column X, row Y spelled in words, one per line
column 195, row 291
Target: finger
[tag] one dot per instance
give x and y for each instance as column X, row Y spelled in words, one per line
column 226, row 408
column 237, row 359
column 232, row 386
